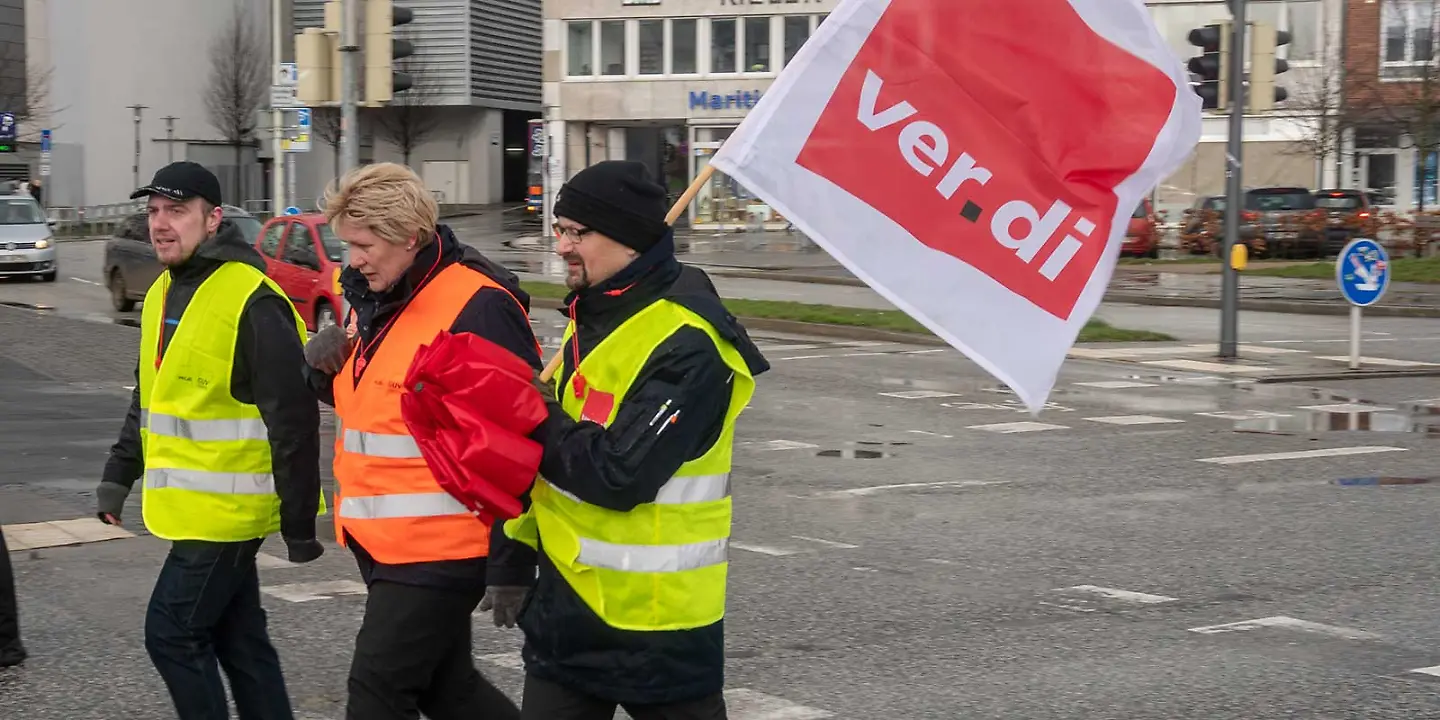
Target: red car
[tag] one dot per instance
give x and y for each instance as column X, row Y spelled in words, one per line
column 302, row 255
column 1142, row 237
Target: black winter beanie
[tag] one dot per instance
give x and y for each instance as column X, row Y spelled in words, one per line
column 618, row 199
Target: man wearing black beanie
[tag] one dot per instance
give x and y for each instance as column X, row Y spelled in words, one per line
column 632, row 514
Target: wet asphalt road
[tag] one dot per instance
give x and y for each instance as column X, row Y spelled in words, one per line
column 908, row 543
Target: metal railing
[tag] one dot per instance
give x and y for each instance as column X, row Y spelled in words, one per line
column 92, row 220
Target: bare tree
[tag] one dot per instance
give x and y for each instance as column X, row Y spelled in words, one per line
column 239, row 76
column 1320, row 107
column 325, row 124
column 25, row 92
column 411, row 117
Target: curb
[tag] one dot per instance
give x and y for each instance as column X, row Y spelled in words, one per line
column 1291, row 307
column 1346, row 375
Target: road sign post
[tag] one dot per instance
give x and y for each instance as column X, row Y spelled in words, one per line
column 1362, row 272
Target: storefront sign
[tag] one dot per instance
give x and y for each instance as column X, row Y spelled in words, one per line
column 701, row 100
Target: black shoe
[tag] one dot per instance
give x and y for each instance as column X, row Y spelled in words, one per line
column 12, row 656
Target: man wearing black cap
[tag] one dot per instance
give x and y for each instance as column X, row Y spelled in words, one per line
column 632, row 516
column 231, row 451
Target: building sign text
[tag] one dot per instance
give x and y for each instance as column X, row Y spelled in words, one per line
column 701, row 100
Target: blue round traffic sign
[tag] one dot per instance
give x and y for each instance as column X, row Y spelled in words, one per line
column 1362, row 271
column 292, row 210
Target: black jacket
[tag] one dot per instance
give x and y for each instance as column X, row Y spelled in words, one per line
column 623, row 466
column 491, row 314
column 268, row 356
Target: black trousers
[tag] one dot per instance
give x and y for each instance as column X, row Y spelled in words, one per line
column 545, row 700
column 413, row 655
column 11, row 651
column 205, row 616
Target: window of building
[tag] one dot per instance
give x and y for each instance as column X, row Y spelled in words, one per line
column 683, row 47
column 580, row 46
column 612, row 47
column 797, row 31
column 1407, row 31
column 757, row 44
column 722, row 46
column 1301, row 18
column 652, row 47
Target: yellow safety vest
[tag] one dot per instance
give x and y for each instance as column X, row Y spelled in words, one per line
column 662, row 565
column 207, row 455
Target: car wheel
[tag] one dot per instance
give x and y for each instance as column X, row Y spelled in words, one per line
column 324, row 316
column 118, row 298
column 49, row 276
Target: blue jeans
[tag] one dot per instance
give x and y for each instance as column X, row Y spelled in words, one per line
column 205, row 615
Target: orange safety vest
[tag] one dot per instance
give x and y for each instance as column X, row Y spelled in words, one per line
column 386, row 497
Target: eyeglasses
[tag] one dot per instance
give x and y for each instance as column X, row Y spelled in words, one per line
column 575, row 234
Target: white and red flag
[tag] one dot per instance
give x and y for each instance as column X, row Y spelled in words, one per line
column 975, row 161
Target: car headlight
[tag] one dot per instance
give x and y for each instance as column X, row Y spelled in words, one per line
column 42, row 243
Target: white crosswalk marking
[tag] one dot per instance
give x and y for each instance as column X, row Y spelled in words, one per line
column 1299, row 454
column 1134, row 420
column 313, row 591
column 1346, row 408
column 56, row 533
column 919, row 394
column 1115, row 384
column 1287, row 623
column 1244, row 415
column 1017, row 427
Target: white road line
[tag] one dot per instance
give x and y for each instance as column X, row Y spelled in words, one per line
column 58, row 533
column 772, row 445
column 939, row 561
column 1378, row 360
column 860, row 343
column 1299, row 454
column 1017, row 427
column 1067, row 606
column 876, row 489
column 831, row 543
column 919, row 394
column 746, row 704
column 805, row 357
column 1115, row 384
column 931, row 434
column 1201, row 366
column 266, row 561
column 762, row 549
column 511, row 660
column 786, row 348
column 922, row 352
column 1347, row 408
column 862, row 354
column 1287, row 623
column 312, row 591
column 1244, row 415
column 1126, row 595
column 1433, row 670
column 88, row 282
column 1134, row 420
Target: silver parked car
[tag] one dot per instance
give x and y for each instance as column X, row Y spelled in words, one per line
column 26, row 244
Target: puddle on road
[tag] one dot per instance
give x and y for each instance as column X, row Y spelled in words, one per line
column 853, row 454
column 1308, row 421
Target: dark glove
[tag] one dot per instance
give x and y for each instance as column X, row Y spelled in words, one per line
column 328, row 350
column 546, row 387
column 505, row 601
column 304, row 551
column 110, row 501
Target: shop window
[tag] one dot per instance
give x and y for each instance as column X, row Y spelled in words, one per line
column 580, row 46
column 612, row 47
column 683, row 47
column 652, row 47
column 757, row 44
column 797, row 31
column 1303, row 22
column 722, row 46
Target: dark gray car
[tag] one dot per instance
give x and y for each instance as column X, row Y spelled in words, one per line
column 130, row 263
column 1282, row 222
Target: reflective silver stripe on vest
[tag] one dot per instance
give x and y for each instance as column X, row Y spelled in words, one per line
column 652, row 558
column 204, row 430
column 694, row 489
column 381, row 445
column 379, row 507
column 212, row 482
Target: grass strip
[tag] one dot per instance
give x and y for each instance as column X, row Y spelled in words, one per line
column 893, row 320
column 1418, row 270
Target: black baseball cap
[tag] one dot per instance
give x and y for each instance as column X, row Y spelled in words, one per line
column 181, row 181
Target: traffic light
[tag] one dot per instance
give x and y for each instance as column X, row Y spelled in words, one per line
column 317, row 60
column 1214, row 43
column 1264, row 66
column 382, row 50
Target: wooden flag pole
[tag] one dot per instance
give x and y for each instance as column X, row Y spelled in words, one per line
column 553, row 366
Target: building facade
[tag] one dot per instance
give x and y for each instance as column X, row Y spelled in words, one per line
column 1392, row 102
column 462, row 127
column 665, row 83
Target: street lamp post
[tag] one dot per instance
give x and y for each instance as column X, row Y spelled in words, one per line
column 139, row 110
column 169, row 138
